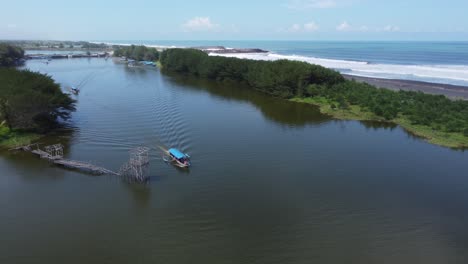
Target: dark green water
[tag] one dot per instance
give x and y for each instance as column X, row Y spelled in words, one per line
column 272, row 182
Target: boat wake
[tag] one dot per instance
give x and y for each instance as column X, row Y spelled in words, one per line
column 170, row 125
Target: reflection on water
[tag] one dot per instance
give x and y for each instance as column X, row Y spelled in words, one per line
column 379, row 125
column 271, row 182
column 141, row 193
column 276, row 110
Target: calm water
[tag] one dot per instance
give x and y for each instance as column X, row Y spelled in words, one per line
column 272, row 181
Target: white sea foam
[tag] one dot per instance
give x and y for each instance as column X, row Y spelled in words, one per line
column 450, row 74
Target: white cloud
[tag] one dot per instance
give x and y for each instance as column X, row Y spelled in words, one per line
column 311, row 27
column 295, row 28
column 11, row 26
column 311, row 4
column 307, row 27
column 200, row 24
column 344, row 27
column 391, row 28
column 364, row 28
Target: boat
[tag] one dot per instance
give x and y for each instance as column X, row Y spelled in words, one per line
column 75, row 90
column 178, row 158
column 131, row 63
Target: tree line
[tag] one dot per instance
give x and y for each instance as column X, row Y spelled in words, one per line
column 139, row 53
column 288, row 79
column 280, row 78
column 30, row 100
column 10, row 55
column 435, row 111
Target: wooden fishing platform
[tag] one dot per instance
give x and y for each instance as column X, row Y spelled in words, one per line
column 135, row 170
column 83, row 166
column 54, row 154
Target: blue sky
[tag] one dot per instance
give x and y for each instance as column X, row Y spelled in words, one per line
column 235, row 20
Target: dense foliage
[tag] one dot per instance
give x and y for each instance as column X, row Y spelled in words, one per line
column 139, row 53
column 436, row 111
column 10, row 55
column 31, row 101
column 54, row 44
column 89, row 45
column 281, row 78
column 297, row 79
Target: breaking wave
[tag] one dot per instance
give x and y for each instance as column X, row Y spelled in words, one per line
column 446, row 74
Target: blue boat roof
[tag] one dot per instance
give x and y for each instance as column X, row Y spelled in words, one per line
column 176, row 153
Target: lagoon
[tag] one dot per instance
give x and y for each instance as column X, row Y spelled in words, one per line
column 272, row 181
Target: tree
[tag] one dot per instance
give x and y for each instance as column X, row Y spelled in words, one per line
column 10, row 55
column 342, row 103
column 31, row 101
column 280, row 78
column 137, row 52
column 61, row 46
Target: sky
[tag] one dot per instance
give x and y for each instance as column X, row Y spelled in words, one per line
column 95, row 20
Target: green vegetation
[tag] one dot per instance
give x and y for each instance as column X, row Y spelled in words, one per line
column 434, row 117
column 10, row 55
column 281, row 78
column 355, row 112
column 139, row 53
column 159, row 65
column 12, row 138
column 30, row 103
column 53, row 45
column 434, row 111
column 88, row 45
column 330, row 107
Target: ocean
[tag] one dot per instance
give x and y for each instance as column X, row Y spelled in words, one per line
column 437, row 62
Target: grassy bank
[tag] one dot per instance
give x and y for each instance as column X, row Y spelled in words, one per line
column 10, row 139
column 159, row 65
column 354, row 112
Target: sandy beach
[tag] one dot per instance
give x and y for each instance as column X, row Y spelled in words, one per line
column 452, row 91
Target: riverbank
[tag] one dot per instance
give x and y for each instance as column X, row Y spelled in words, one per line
column 436, row 118
column 41, row 56
column 10, row 139
column 451, row 91
column 354, row 112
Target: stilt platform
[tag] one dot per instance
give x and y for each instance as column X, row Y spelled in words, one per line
column 54, row 154
column 83, row 166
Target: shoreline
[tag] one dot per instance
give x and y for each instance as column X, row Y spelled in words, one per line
column 356, row 113
column 11, row 139
column 448, row 90
column 435, row 118
column 452, row 140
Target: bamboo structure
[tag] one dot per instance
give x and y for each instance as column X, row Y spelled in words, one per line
column 55, row 151
column 54, row 154
column 136, row 169
column 83, row 166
